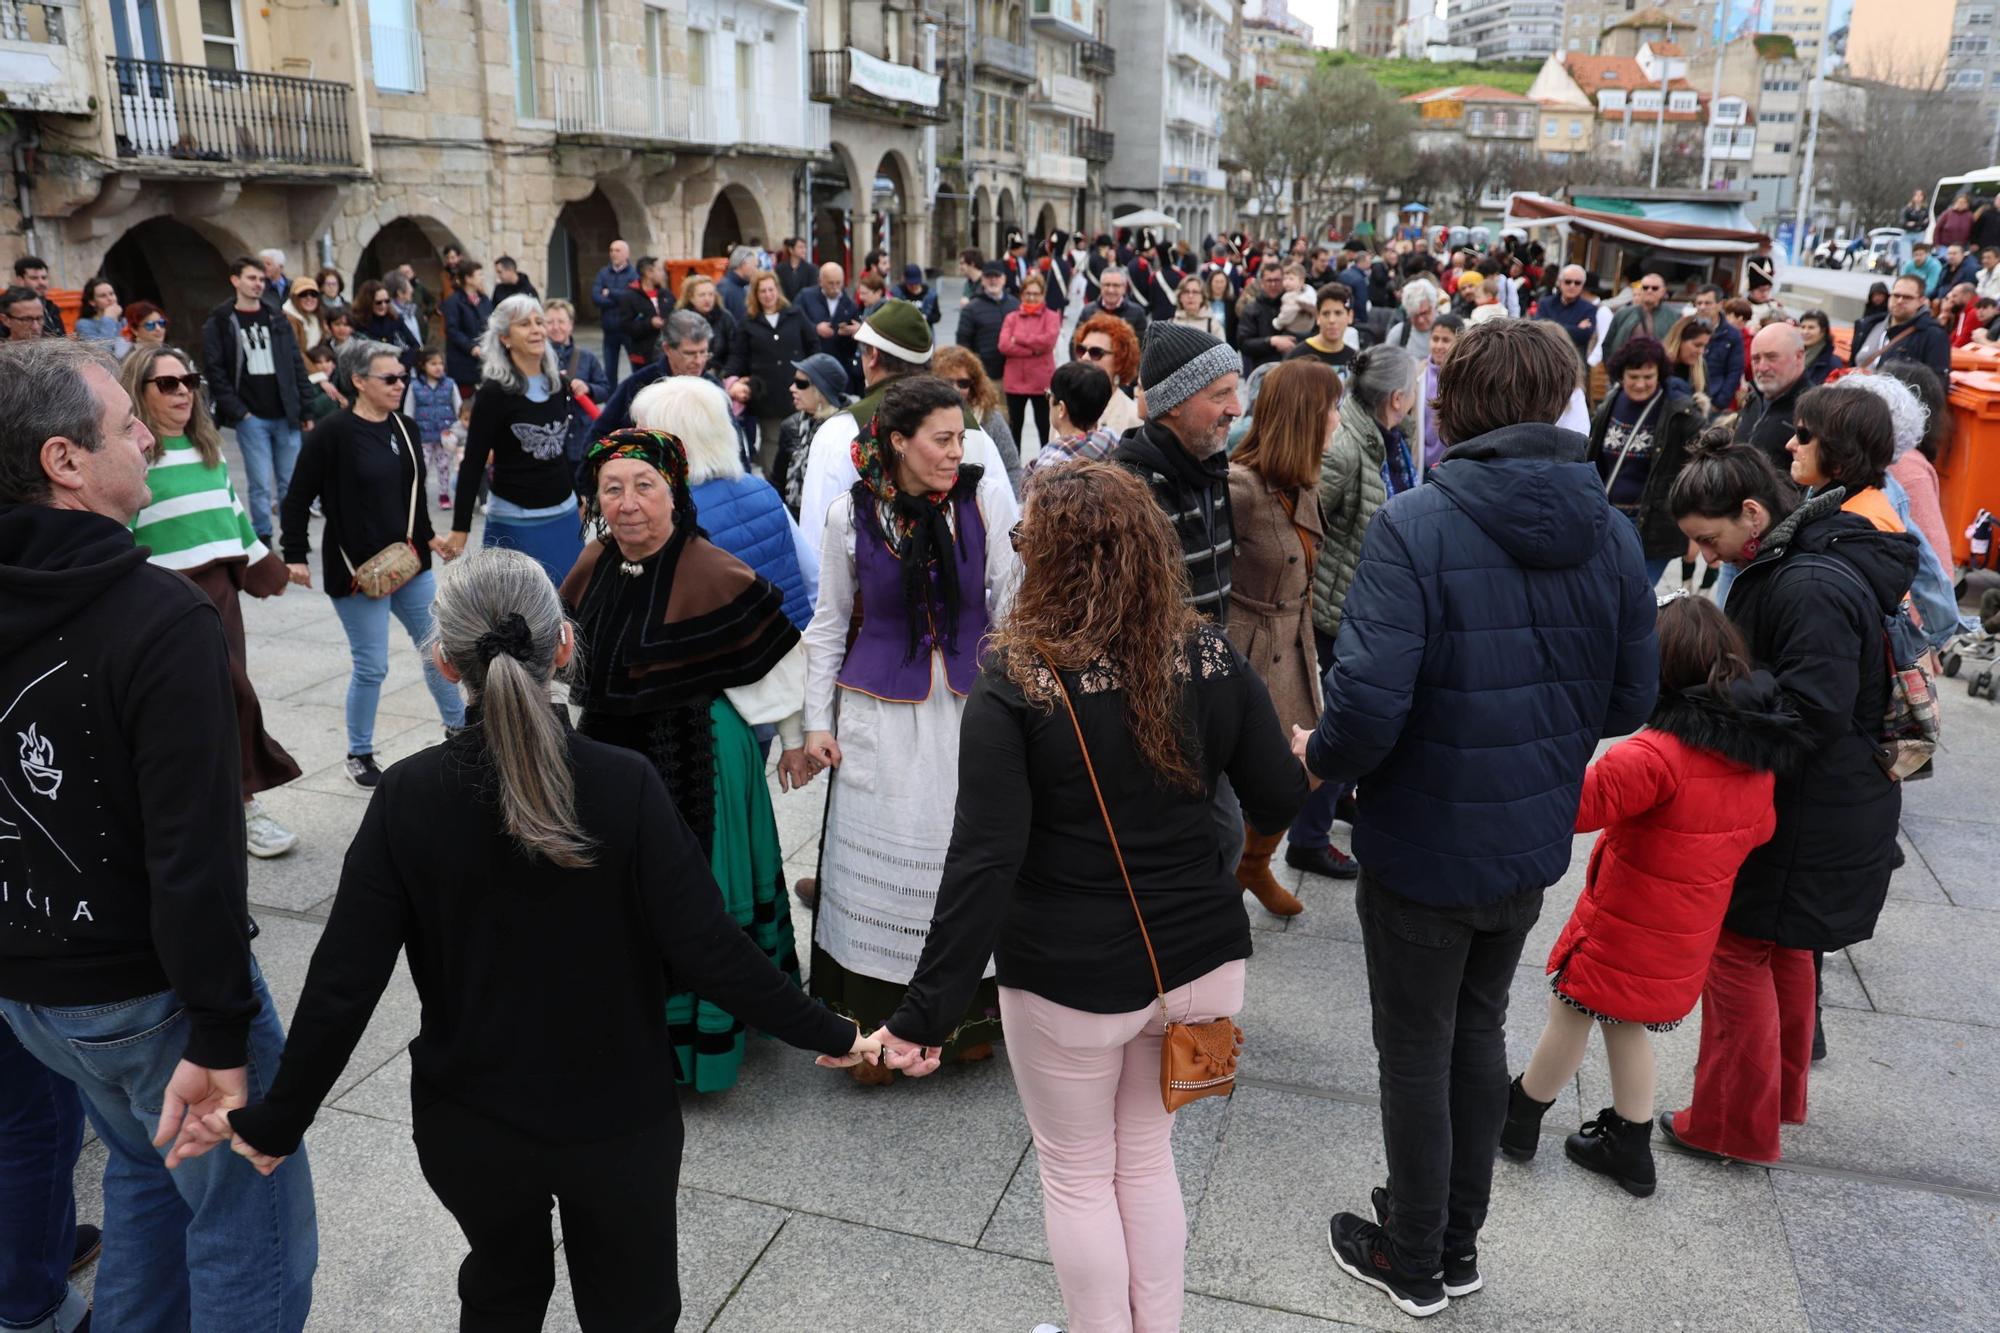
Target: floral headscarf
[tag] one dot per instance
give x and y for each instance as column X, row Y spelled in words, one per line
column 663, row 451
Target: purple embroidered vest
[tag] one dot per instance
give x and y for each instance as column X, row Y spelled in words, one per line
column 875, row 662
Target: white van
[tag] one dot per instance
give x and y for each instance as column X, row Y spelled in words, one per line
column 1983, row 186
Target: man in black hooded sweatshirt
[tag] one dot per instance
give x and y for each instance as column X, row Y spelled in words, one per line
column 124, row 931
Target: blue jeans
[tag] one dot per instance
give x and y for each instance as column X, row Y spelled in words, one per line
column 210, row 1244
column 270, row 448
column 614, row 356
column 366, row 620
column 41, row 1133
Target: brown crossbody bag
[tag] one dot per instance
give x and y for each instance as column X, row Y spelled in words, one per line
column 382, row 573
column 1196, row 1059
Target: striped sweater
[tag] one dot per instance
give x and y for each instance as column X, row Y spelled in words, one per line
column 195, row 518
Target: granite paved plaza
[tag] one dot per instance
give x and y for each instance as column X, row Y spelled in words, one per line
column 813, row 1204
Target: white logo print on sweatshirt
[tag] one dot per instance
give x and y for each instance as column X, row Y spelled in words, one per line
column 38, row 763
column 255, row 340
column 541, row 443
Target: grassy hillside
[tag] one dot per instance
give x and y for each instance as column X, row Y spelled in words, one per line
column 1403, row 77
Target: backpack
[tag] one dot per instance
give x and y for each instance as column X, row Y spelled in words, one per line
column 1907, row 738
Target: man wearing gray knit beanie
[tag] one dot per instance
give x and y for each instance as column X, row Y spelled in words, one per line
column 1187, row 382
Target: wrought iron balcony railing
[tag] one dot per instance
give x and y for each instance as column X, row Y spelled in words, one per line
column 194, row 113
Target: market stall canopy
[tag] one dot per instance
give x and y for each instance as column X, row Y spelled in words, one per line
column 1708, row 229
column 1413, row 208
column 1146, row 217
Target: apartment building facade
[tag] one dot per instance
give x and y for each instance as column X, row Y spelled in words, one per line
column 1167, row 106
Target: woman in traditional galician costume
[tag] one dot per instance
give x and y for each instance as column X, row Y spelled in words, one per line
column 684, row 651
column 910, row 578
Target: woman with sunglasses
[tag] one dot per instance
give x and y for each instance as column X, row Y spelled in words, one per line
column 1107, row 342
column 520, row 421
column 145, row 325
column 819, row 390
column 365, row 467
column 961, row 368
column 1813, row 586
column 306, row 310
column 195, row 524
column 375, row 320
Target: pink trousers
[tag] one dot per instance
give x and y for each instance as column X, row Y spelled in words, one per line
column 1090, row 1084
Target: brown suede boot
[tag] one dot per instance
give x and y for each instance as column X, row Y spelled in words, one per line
column 1253, row 872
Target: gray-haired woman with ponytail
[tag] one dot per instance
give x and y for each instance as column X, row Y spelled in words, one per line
column 549, row 897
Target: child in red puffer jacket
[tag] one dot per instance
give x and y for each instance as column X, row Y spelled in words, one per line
column 1681, row 805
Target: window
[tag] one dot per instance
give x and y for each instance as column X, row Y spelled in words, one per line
column 521, row 48
column 1978, row 18
column 697, row 57
column 1782, row 146
column 1475, row 121
column 1576, row 129
column 1648, row 100
column 221, row 44
column 397, row 49
column 1969, row 78
column 1548, row 129
column 656, row 66
column 593, row 57
column 1617, row 134
column 747, row 84
column 1681, row 102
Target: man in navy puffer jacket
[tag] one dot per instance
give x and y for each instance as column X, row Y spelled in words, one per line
column 1499, row 625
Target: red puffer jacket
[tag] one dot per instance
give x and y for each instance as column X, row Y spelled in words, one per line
column 1681, row 805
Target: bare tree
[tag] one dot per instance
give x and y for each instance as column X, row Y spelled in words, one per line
column 1357, row 132
column 1890, row 140
column 1262, row 134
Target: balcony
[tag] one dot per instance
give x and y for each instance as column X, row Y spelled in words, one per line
column 196, row 114
column 1065, row 18
column 42, row 62
column 1726, row 145
column 1065, row 96
column 1097, row 145
column 1502, row 127
column 867, row 85
column 1098, row 58
column 1190, row 48
column 1200, row 178
column 1058, row 169
column 669, row 108
column 1009, row 60
column 1193, row 113
column 399, row 58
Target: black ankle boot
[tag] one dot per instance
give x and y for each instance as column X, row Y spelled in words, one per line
column 1522, row 1133
column 1614, row 1146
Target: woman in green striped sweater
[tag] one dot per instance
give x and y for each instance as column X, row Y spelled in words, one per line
column 195, row 524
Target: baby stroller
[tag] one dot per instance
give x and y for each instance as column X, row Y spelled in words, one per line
column 1978, row 649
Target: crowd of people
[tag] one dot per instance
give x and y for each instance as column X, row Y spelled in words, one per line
column 1374, row 535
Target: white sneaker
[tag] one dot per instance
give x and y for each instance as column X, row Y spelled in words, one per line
column 1047, row 1328
column 265, row 836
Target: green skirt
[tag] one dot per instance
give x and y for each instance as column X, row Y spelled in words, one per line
column 749, row 865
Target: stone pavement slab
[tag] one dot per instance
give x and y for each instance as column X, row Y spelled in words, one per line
column 305, row 878
column 283, row 949
column 1962, row 855
column 1871, row 1257
column 930, row 1157
column 1934, row 962
column 1562, row 1248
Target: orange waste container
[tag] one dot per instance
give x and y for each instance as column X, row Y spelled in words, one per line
column 69, row 302
column 1969, row 475
column 678, row 271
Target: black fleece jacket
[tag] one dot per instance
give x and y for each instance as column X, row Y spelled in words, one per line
column 121, row 813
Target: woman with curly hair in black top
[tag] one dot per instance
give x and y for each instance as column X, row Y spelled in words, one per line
column 1166, row 707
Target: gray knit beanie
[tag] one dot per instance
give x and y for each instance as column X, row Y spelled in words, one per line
column 1179, row 362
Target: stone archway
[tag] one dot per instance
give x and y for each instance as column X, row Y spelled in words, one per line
column 168, row 262
column 1046, row 222
column 579, row 244
column 733, row 219
column 982, row 218
column 412, row 239
column 1005, row 219
column 948, row 227
column 891, row 203
column 833, row 202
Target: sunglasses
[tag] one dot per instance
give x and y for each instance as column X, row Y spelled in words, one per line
column 1095, row 353
column 154, row 324
column 169, row 383
column 307, row 295
column 382, row 303
column 1572, row 282
column 391, row 379
column 963, row 386
column 1803, row 432
column 802, row 384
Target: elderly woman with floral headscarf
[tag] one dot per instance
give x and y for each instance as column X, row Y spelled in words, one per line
column 911, row 576
column 684, row 650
